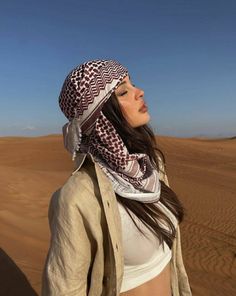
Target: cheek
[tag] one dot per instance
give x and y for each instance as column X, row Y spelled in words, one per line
column 133, row 116
column 128, row 110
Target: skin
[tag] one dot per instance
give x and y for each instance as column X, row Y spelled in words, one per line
column 131, row 101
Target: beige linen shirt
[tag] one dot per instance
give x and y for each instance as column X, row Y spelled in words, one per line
column 85, row 255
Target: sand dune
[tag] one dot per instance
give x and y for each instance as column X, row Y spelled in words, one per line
column 202, row 172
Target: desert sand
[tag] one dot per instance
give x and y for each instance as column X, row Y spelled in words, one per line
column 201, row 171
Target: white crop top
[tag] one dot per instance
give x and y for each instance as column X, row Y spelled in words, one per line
column 144, row 258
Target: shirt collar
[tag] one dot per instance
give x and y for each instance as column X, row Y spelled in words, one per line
column 79, row 160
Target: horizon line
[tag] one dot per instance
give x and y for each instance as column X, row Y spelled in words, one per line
column 203, row 137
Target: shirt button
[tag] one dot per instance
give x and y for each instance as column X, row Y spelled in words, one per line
column 117, row 247
column 108, row 204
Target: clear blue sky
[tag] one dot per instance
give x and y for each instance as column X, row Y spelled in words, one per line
column 182, row 53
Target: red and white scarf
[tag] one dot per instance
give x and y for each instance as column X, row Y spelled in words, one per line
column 88, row 131
column 132, row 175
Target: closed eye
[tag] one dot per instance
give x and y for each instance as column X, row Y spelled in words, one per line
column 123, row 93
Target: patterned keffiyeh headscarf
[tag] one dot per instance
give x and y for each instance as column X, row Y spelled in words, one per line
column 88, row 131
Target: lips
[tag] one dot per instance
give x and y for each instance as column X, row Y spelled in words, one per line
column 143, row 108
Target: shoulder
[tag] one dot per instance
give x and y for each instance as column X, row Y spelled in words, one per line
column 80, row 191
column 83, row 182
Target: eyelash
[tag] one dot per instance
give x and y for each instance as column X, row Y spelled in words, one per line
column 124, row 93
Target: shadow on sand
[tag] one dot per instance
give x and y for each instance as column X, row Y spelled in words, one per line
column 13, row 282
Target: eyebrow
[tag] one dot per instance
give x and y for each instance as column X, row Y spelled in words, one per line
column 123, row 82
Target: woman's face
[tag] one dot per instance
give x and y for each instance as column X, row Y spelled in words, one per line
column 132, row 103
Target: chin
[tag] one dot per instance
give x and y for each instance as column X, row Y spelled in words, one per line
column 143, row 121
column 147, row 119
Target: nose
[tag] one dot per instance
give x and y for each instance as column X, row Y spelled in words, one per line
column 139, row 93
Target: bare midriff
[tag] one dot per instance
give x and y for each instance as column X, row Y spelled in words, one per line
column 158, row 286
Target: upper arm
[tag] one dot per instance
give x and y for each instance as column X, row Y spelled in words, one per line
column 69, row 255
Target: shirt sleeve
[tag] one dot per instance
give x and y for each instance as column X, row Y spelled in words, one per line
column 69, row 256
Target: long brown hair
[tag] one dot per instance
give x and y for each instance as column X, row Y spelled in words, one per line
column 142, row 140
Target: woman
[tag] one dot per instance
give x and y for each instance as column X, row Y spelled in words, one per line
column 114, row 224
